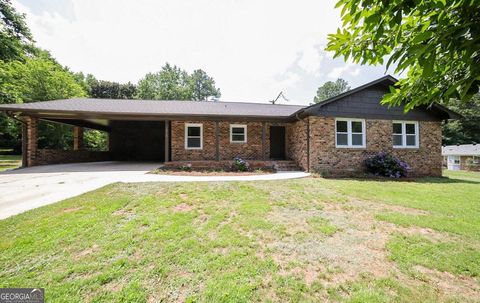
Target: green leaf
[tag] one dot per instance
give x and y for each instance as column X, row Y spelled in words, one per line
column 428, row 65
column 422, row 37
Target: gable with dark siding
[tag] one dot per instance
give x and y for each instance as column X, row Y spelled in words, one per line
column 365, row 102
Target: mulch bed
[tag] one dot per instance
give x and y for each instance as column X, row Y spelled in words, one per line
column 203, row 172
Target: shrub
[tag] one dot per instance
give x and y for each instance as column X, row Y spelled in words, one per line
column 187, row 167
column 239, row 164
column 386, row 165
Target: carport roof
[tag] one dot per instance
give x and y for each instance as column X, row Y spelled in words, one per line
column 87, row 106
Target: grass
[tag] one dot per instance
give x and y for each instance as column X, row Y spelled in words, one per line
column 300, row 240
column 10, row 161
column 322, row 225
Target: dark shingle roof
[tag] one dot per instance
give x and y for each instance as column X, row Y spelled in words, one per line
column 161, row 108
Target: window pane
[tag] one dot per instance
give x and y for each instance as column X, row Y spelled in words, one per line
column 238, row 138
column 397, row 140
column 193, row 142
column 342, row 139
column 342, row 126
column 356, row 127
column 397, row 128
column 194, row 131
column 357, row 139
column 238, row 130
column 411, row 140
column 410, row 128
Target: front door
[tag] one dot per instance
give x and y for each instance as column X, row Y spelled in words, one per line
column 277, row 142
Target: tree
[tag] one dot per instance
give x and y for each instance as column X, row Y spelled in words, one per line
column 36, row 79
column 436, row 41
column 111, row 90
column 95, row 139
column 466, row 130
column 15, row 38
column 331, row 89
column 173, row 83
column 203, row 86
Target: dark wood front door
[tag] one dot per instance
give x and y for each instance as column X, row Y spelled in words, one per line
column 277, row 142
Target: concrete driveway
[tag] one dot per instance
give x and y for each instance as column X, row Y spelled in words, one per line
column 29, row 188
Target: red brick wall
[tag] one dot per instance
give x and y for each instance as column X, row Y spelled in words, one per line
column 297, row 142
column 30, row 148
column 466, row 163
column 326, row 158
column 251, row 150
column 178, row 151
column 57, row 156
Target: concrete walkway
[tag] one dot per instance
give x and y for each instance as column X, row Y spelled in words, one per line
column 29, row 188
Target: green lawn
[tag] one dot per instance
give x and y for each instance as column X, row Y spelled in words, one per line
column 10, row 161
column 301, row 240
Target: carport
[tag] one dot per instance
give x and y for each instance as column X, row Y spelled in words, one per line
column 209, row 133
column 132, row 135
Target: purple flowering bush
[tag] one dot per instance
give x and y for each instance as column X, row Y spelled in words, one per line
column 239, row 164
column 386, row 165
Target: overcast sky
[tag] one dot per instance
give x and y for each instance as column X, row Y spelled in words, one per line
column 253, row 49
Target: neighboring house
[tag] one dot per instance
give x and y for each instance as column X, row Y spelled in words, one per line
column 332, row 137
column 462, row 157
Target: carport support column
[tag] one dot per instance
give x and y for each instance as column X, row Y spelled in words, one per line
column 167, row 141
column 264, row 135
column 29, row 141
column 77, row 138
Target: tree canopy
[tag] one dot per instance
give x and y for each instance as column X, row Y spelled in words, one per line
column 15, row 37
column 36, row 79
column 466, row 130
column 30, row 80
column 435, row 42
column 331, row 89
column 173, row 83
column 110, row 90
column 203, row 86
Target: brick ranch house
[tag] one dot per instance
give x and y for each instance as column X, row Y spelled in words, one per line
column 332, row 137
column 462, row 157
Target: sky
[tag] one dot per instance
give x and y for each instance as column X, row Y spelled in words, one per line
column 253, row 49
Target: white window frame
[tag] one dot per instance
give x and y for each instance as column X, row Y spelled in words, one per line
column 244, row 126
column 349, row 133
column 404, row 134
column 187, row 125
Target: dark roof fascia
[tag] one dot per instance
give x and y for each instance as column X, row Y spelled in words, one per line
column 451, row 114
column 58, row 114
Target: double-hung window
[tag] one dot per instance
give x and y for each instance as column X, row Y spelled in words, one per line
column 454, row 159
column 350, row 133
column 193, row 136
column 405, row 134
column 238, row 133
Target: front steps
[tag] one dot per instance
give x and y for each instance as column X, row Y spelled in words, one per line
column 286, row 165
